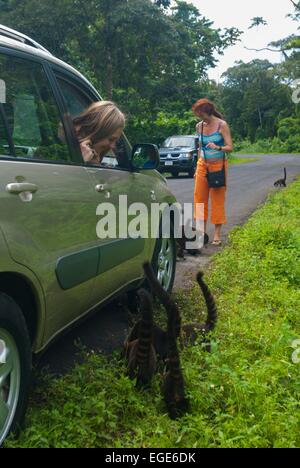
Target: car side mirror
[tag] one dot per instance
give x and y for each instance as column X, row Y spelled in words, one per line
column 145, row 156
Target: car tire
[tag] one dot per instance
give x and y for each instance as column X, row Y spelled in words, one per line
column 164, row 259
column 163, row 264
column 15, row 367
column 175, row 174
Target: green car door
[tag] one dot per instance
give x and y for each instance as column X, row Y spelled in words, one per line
column 47, row 202
column 120, row 258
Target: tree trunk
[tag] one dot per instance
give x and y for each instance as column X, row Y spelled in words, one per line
column 109, row 75
column 260, row 117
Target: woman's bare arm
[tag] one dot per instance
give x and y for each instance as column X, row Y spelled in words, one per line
column 225, row 130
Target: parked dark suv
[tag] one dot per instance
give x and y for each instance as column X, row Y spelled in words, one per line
column 179, row 154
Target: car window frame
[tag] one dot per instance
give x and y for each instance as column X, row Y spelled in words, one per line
column 86, row 90
column 8, row 136
column 11, row 52
column 84, row 87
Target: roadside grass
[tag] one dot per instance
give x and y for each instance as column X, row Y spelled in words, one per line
column 235, row 159
column 245, row 393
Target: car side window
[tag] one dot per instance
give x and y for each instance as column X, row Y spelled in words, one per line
column 76, row 102
column 5, row 147
column 30, row 112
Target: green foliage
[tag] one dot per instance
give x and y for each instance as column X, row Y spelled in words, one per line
column 254, row 99
column 245, row 393
column 287, row 140
column 257, row 21
column 288, row 127
column 152, row 58
column 269, row 146
column 163, row 3
column 146, row 56
column 163, row 126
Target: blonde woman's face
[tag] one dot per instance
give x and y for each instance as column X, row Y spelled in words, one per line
column 106, row 144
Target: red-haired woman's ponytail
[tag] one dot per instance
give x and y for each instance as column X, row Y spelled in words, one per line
column 218, row 114
column 205, row 105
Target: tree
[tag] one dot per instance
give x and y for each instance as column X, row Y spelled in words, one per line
column 147, row 56
column 254, row 99
column 257, row 21
column 163, row 3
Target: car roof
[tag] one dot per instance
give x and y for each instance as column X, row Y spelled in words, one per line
column 18, row 41
column 16, row 35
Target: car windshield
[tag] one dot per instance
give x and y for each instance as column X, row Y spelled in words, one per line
column 181, row 142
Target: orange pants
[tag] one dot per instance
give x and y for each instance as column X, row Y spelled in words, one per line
column 202, row 193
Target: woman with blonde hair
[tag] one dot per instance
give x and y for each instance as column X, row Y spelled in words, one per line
column 98, row 128
column 215, row 141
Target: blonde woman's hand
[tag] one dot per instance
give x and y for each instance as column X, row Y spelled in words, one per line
column 89, row 155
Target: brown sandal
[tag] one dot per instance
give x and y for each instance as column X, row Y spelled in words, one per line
column 217, row 242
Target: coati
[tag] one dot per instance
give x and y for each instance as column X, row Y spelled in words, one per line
column 281, row 182
column 182, row 241
column 173, row 387
column 139, row 349
column 189, row 332
column 159, row 336
column 140, row 352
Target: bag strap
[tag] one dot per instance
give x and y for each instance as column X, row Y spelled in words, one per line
column 202, row 145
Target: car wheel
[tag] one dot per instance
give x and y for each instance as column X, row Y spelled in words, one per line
column 164, row 266
column 164, row 259
column 15, row 366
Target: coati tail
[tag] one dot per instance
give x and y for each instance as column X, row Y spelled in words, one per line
column 142, row 357
column 163, row 296
column 212, row 313
column 174, row 386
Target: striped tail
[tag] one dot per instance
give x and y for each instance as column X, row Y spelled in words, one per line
column 163, row 296
column 212, row 313
column 146, row 329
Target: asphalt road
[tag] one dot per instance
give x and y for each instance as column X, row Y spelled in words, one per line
column 248, row 187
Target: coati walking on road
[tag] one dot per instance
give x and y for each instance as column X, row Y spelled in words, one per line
column 281, row 182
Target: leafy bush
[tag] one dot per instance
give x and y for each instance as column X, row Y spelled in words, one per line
column 275, row 146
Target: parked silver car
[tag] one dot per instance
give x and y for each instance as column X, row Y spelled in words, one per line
column 54, row 269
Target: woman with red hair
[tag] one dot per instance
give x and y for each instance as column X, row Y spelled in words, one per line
column 215, row 140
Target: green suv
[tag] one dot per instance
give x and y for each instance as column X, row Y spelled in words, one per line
column 54, row 267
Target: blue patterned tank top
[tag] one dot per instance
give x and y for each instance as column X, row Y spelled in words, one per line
column 217, row 138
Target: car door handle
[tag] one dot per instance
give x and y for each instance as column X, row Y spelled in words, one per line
column 152, row 195
column 20, row 187
column 102, row 188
